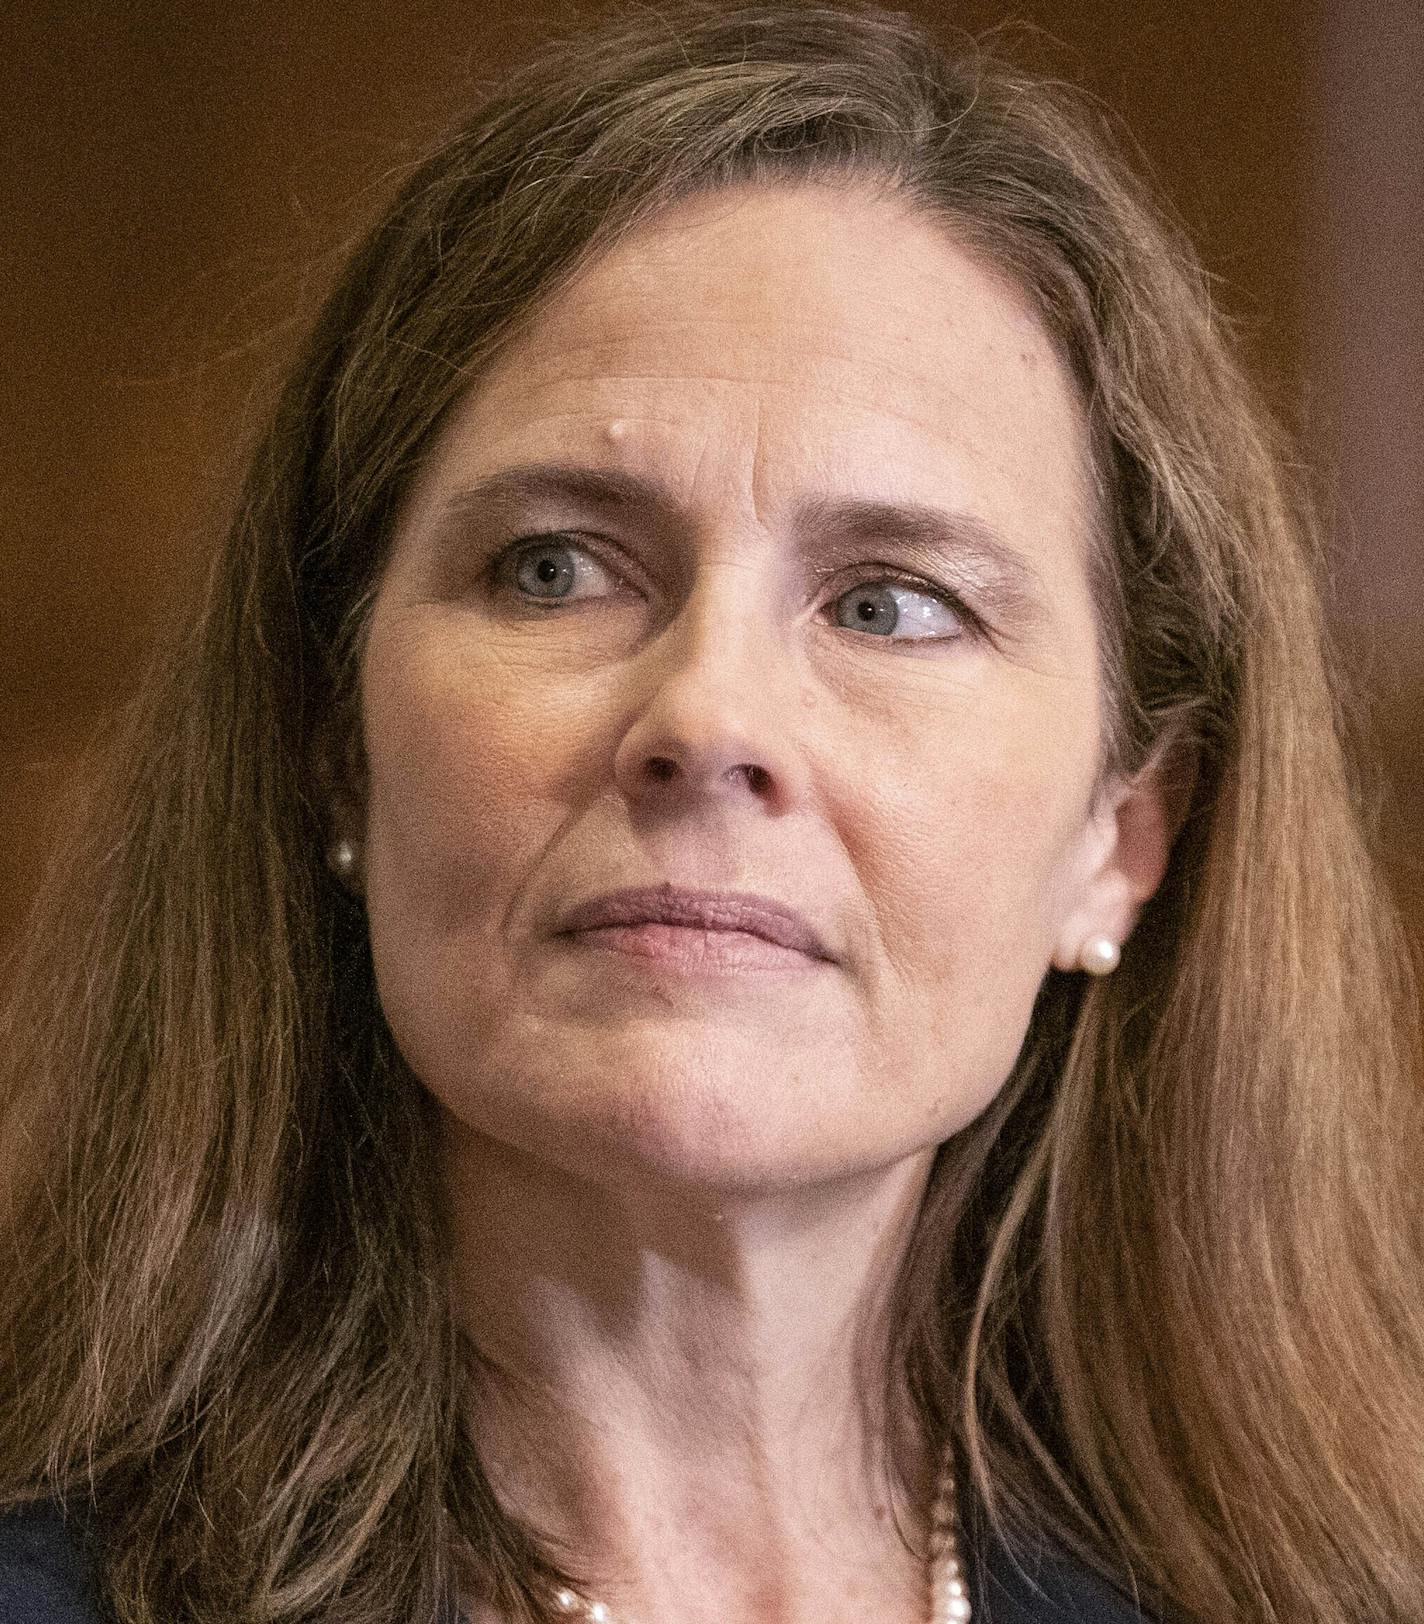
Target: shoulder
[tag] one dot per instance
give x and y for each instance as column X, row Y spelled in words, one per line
column 45, row 1574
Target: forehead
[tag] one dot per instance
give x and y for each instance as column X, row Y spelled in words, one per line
column 771, row 337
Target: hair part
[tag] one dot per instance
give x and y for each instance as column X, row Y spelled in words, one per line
column 1161, row 1297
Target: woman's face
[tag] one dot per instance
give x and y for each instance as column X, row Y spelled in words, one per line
column 758, row 563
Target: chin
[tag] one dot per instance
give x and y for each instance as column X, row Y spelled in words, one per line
column 686, row 1133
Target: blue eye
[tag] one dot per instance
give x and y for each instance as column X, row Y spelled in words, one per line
column 889, row 607
column 551, row 567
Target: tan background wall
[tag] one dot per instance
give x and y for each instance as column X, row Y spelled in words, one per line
column 177, row 177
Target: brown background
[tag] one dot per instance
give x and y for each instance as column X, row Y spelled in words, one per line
column 178, row 180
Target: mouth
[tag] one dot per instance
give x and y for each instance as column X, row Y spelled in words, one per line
column 679, row 925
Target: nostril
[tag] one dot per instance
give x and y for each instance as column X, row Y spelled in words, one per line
column 661, row 769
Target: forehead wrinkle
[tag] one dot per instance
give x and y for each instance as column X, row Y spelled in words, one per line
column 578, row 364
column 754, row 464
column 829, row 392
column 765, row 370
column 552, row 345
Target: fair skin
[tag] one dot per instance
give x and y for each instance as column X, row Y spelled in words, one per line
column 678, row 1187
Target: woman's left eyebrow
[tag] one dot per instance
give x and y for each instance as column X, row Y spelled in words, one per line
column 961, row 543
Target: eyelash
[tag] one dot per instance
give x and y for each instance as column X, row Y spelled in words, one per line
column 973, row 624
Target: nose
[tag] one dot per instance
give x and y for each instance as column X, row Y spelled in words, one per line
column 712, row 715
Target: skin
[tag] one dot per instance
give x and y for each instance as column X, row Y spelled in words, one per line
column 678, row 1194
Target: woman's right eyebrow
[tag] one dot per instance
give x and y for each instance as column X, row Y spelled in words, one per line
column 536, row 484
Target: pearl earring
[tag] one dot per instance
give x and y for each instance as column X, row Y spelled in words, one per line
column 1100, row 956
column 342, row 859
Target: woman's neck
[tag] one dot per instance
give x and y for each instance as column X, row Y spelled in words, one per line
column 686, row 1391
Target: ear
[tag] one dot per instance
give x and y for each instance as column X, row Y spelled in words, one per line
column 338, row 767
column 1126, row 849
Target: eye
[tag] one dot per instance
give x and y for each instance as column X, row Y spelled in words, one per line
column 553, row 568
column 900, row 609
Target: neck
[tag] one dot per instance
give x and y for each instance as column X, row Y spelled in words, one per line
column 686, row 1390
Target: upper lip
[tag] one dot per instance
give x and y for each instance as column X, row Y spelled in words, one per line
column 670, row 904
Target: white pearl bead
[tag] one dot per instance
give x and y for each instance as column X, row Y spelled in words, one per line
column 957, row 1609
column 1100, row 956
column 566, row 1601
column 599, row 1613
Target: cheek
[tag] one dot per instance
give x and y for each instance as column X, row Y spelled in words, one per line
column 463, row 759
column 977, row 822
column 458, row 773
column 965, row 854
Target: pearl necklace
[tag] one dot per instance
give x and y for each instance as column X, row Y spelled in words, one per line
column 948, row 1594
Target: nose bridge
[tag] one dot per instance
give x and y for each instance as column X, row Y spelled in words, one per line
column 726, row 624
column 709, row 713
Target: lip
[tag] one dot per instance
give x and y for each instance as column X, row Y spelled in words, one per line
column 669, row 904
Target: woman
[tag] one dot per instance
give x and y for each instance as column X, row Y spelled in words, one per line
column 584, row 1067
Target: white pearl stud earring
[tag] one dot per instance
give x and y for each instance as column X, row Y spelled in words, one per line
column 1100, row 956
column 342, row 858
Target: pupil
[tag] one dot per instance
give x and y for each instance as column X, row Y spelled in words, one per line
column 865, row 609
column 547, row 570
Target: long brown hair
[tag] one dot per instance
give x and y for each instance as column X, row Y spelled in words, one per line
column 1164, row 1296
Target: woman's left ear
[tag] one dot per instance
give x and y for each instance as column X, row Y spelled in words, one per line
column 338, row 775
column 1126, row 850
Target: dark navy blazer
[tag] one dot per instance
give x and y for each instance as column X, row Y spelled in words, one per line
column 47, row 1577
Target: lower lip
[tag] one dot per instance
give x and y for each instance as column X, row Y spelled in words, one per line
column 694, row 948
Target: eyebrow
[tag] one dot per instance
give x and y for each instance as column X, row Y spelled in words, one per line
column 960, row 543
